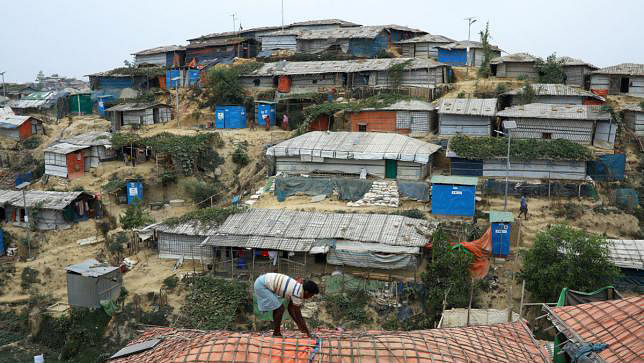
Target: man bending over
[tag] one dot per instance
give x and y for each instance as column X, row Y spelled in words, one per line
column 269, row 287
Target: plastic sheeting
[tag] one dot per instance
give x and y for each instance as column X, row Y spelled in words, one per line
column 347, row 188
column 497, row 187
column 414, row 190
column 481, row 249
column 369, row 259
column 626, row 198
column 607, row 167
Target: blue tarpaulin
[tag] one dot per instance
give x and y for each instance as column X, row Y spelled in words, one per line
column 2, row 245
column 414, row 190
column 607, row 167
column 24, row 178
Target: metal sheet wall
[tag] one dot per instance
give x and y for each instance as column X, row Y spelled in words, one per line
column 466, row 167
column 455, row 200
column 330, row 166
column 230, row 117
column 81, row 291
column 279, row 42
column 449, row 124
column 516, row 70
column 576, row 75
column 605, row 133
column 560, row 100
column 635, row 121
column 173, row 246
column 456, row 57
column 536, row 169
column 579, row 131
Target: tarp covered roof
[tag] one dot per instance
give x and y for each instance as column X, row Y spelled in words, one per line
column 516, row 57
column 345, row 66
column 159, row 50
column 632, row 69
column 464, row 44
column 509, row 342
column 555, row 89
column 468, row 106
column 556, row 112
column 617, row 323
column 49, row 200
column 91, row 268
column 357, row 146
column 428, row 38
column 79, row 142
column 40, row 99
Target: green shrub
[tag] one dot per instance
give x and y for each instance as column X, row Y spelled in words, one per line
column 562, row 256
column 135, row 216
column 200, row 190
column 171, row 282
column 32, row 142
column 501, row 88
column 28, row 277
column 550, row 71
column 461, row 94
column 240, row 155
column 411, row 213
column 349, row 307
column 529, row 149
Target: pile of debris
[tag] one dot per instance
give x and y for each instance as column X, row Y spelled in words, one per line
column 382, row 193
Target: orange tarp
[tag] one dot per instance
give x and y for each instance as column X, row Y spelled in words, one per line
column 482, row 250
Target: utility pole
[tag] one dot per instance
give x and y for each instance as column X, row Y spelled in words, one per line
column 470, row 20
column 177, row 96
column 233, row 15
column 4, row 88
column 282, row 14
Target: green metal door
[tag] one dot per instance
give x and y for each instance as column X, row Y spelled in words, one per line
column 391, row 169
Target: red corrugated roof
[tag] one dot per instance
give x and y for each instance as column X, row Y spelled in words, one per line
column 618, row 323
column 509, row 342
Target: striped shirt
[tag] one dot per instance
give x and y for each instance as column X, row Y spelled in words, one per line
column 284, row 286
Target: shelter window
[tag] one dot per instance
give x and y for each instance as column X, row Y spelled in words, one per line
column 315, row 81
column 546, row 135
column 362, row 127
column 256, row 82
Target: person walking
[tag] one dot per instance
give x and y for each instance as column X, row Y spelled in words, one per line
column 271, row 286
column 285, row 122
column 524, row 207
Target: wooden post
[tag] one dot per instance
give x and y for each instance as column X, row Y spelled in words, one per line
column 522, row 295
column 469, row 305
column 252, row 271
column 232, row 264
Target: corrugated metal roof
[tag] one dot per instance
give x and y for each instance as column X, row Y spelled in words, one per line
column 516, row 57
column 627, row 253
column 616, row 323
column 91, row 268
column 633, row 107
column 556, row 112
column 569, row 61
column 324, row 22
column 550, row 89
column 215, row 42
column 428, row 38
column 136, row 106
column 507, row 342
column 290, row 226
column 49, row 200
column 405, row 105
column 454, row 179
column 347, row 66
column 41, row 99
column 362, row 32
column 464, row 44
column 468, row 106
column 159, row 50
column 632, row 69
column 263, row 242
column 501, row 217
column 190, row 228
column 12, row 121
column 64, row 148
column 356, row 145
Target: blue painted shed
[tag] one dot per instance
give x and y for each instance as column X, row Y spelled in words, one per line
column 265, row 108
column 501, row 228
column 230, row 117
column 453, row 57
column 453, row 195
column 134, row 191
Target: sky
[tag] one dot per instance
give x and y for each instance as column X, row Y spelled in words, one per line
column 76, row 38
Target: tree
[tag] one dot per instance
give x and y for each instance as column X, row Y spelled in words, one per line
column 485, row 70
column 550, row 71
column 223, row 83
column 135, row 216
column 447, row 278
column 562, row 256
column 527, row 94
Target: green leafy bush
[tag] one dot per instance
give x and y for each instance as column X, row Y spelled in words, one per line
column 562, row 256
column 28, row 277
column 550, row 71
column 32, row 142
column 529, row 149
column 348, row 308
column 135, row 216
column 240, row 155
column 214, row 304
column 206, row 216
column 171, row 282
column 200, row 190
